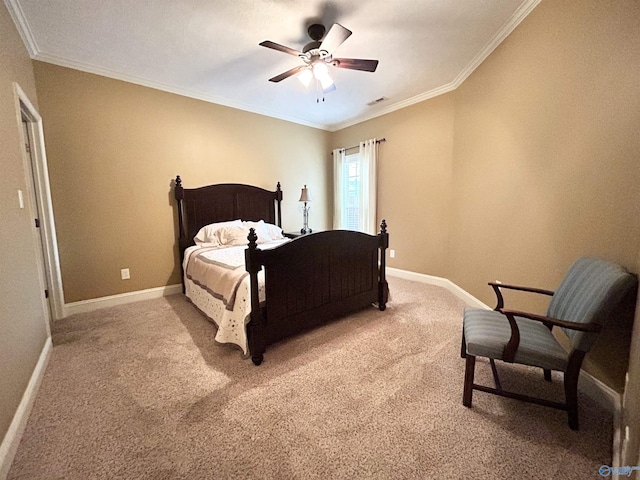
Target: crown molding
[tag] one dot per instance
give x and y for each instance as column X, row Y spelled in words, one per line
column 20, row 21
column 519, row 15
column 396, row 106
column 17, row 15
column 105, row 72
column 25, row 32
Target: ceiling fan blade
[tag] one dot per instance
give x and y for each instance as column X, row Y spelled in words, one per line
column 356, row 64
column 336, row 36
column 288, row 73
column 280, row 48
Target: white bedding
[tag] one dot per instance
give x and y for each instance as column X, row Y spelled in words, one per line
column 231, row 317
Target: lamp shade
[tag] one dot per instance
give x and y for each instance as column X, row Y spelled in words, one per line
column 304, row 195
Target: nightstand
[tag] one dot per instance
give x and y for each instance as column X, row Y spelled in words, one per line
column 293, row 234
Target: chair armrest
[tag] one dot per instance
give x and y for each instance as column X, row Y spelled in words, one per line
column 521, row 288
column 510, row 349
column 498, row 285
column 581, row 327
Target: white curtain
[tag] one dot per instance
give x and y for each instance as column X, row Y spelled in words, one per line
column 368, row 186
column 338, row 162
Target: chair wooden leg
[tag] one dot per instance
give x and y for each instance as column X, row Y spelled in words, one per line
column 571, row 397
column 571, row 387
column 547, row 374
column 496, row 377
column 463, row 348
column 469, row 371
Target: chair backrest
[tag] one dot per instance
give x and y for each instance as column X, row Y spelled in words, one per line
column 589, row 292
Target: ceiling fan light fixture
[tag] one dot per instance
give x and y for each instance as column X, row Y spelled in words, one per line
column 320, row 70
column 305, row 77
column 327, row 83
column 321, row 73
column 329, row 89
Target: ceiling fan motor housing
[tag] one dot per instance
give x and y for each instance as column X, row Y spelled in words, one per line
column 311, row 46
column 316, row 31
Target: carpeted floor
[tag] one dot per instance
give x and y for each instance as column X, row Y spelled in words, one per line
column 142, row 391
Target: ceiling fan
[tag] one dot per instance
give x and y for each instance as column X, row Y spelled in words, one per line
column 318, row 55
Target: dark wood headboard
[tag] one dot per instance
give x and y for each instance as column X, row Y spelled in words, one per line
column 201, row 206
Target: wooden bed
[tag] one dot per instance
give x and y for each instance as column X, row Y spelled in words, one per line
column 308, row 281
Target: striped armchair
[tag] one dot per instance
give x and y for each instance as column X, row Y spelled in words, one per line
column 583, row 302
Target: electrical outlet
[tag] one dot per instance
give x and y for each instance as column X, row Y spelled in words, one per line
column 124, row 274
column 392, row 253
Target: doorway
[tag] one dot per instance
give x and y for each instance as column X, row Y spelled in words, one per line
column 39, row 200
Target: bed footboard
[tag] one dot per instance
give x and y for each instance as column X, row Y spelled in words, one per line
column 313, row 279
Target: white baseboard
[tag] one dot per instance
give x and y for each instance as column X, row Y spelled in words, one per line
column 121, row 299
column 602, row 394
column 594, row 388
column 12, row 438
column 440, row 282
column 609, row 399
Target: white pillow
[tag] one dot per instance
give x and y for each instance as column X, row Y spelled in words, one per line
column 232, row 235
column 274, row 231
column 207, row 234
column 261, row 231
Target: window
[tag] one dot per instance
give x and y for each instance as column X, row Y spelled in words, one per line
column 351, row 192
column 355, row 188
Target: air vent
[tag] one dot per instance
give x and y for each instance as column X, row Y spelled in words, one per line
column 377, row 101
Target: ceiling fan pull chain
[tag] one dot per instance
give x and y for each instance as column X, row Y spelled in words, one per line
column 318, row 90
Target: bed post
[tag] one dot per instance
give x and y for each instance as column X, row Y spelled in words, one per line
column 383, row 286
column 278, row 200
column 179, row 193
column 255, row 327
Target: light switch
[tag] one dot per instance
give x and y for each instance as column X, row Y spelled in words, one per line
column 20, row 199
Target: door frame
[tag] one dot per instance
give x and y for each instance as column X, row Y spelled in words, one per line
column 39, row 170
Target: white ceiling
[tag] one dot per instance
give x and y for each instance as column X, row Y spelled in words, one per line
column 209, row 49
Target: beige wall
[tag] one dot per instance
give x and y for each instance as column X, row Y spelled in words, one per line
column 533, row 161
column 547, row 157
column 414, row 180
column 22, row 317
column 113, row 149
